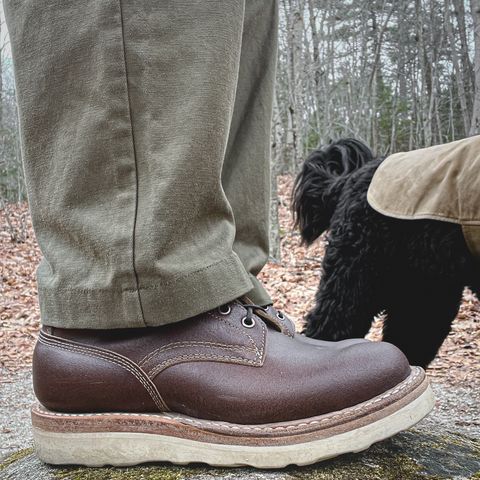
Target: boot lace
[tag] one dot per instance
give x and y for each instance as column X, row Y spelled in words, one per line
column 248, row 321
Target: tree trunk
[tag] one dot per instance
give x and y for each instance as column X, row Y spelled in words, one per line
column 475, row 123
column 458, row 70
column 1, row 81
column 277, row 153
column 467, row 68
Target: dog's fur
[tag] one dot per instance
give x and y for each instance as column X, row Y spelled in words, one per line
column 414, row 270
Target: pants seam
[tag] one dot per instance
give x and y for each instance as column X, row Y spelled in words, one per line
column 134, row 150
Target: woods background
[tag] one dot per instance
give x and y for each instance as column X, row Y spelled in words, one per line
column 398, row 74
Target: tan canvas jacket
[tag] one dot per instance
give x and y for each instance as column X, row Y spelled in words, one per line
column 440, row 183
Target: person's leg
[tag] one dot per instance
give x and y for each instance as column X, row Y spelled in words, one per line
column 125, row 110
column 246, row 172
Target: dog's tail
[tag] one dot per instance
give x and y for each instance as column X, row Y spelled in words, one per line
column 318, row 185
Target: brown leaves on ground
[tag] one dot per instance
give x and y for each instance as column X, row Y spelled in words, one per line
column 292, row 282
column 19, row 312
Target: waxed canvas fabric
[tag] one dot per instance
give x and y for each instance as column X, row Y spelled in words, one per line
column 440, row 183
column 145, row 131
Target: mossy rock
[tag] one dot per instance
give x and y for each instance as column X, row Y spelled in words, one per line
column 412, row 455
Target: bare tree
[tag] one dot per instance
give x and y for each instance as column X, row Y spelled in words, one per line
column 459, row 72
column 475, row 124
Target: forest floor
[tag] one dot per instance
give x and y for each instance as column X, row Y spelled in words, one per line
column 292, row 281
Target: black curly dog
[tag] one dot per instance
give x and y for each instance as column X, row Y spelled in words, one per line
column 414, row 270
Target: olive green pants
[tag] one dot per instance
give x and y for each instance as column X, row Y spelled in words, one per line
column 145, row 128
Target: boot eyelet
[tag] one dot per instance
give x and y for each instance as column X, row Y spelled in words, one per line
column 248, row 322
column 224, row 310
column 280, row 316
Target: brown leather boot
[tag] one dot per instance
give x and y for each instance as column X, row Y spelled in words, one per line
column 233, row 386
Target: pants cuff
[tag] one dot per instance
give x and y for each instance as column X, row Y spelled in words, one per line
column 258, row 295
column 187, row 296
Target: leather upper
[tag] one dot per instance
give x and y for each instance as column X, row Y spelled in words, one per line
column 214, row 366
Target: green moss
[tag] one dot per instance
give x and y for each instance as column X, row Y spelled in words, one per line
column 351, row 467
column 408, row 456
column 14, row 457
column 457, row 440
column 152, row 472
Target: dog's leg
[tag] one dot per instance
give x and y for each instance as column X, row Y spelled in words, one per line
column 349, row 296
column 419, row 318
